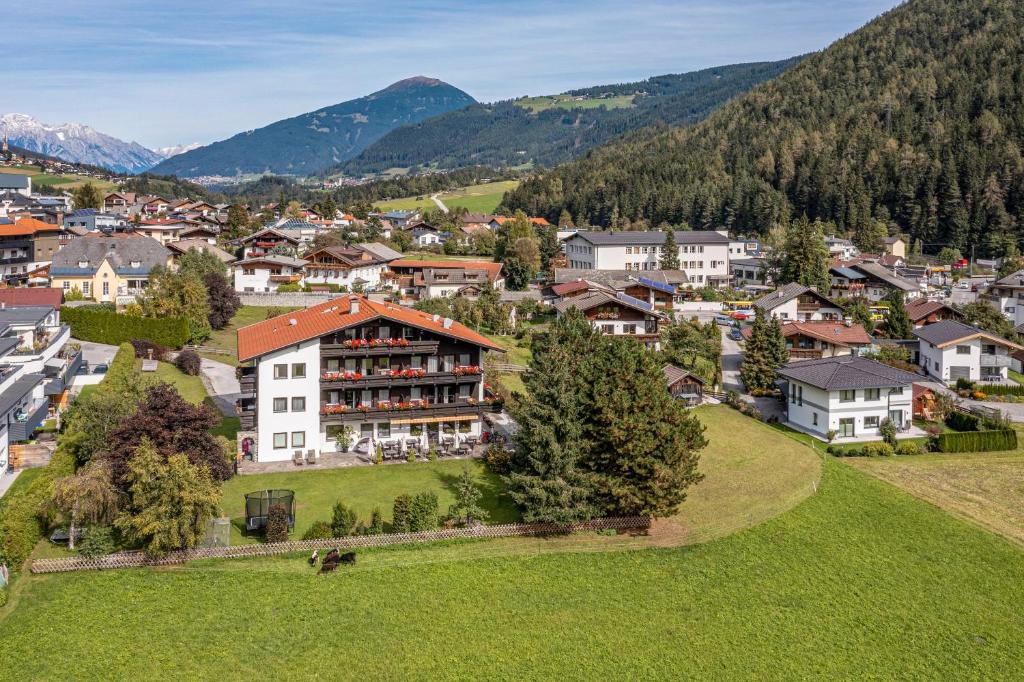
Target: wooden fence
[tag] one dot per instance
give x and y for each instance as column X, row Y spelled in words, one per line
column 140, row 559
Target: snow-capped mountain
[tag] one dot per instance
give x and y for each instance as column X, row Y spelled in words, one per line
column 77, row 143
column 168, row 152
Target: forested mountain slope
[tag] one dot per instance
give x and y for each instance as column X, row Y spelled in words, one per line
column 916, row 119
column 545, row 131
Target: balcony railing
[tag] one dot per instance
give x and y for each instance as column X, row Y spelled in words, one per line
column 391, row 409
column 24, row 424
column 400, row 377
column 989, row 360
column 371, row 347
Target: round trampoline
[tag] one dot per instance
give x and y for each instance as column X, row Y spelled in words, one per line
column 258, row 504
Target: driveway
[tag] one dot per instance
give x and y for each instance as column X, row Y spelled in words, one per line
column 732, row 359
column 222, row 385
column 97, row 353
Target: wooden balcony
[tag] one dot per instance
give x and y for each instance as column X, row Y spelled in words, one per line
column 804, row 354
column 334, row 350
column 330, row 415
column 331, row 380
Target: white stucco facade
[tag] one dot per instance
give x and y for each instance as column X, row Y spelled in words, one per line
column 975, row 359
column 854, row 413
column 705, row 262
column 369, row 274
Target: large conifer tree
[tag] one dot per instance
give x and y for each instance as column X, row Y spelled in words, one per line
column 898, row 323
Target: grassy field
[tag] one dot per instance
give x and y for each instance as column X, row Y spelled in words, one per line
column 482, row 198
column 860, row 581
column 517, row 352
column 68, row 182
column 190, row 388
column 227, row 339
column 536, row 104
column 362, row 488
column 985, row 488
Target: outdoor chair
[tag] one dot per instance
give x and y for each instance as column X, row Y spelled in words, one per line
column 310, row 456
column 297, row 457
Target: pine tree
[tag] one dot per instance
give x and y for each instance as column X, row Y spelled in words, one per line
column 806, row 258
column 670, row 252
column 898, row 322
column 765, row 353
column 467, row 509
column 777, row 351
column 87, row 196
column 642, row 447
column 545, row 480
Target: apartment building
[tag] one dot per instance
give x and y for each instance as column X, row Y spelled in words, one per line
column 703, row 254
column 796, row 302
column 352, row 369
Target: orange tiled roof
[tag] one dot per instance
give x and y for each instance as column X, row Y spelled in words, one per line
column 493, row 269
column 834, row 332
column 26, row 226
column 500, row 219
column 278, row 332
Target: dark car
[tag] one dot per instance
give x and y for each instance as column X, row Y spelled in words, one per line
column 735, row 334
column 99, row 369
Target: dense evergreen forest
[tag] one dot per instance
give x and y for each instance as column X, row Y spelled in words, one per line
column 916, row 119
column 510, row 134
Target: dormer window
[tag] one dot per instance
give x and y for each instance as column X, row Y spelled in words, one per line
column 136, row 264
column 83, row 263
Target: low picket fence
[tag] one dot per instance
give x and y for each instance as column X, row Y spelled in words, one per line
column 140, row 559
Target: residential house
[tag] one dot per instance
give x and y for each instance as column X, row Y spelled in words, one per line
column 618, row 314
column 400, row 219
column 924, row 312
column 870, row 280
column 26, row 244
column 203, row 231
column 17, row 183
column 267, row 273
column 684, row 385
column 354, row 369
column 425, row 235
column 1007, row 296
column 840, row 248
column 164, row 230
column 824, row 339
column 795, row 302
column 496, row 221
column 380, row 251
column 351, row 267
column 703, row 254
column 660, row 288
column 417, row 279
column 268, row 240
column 895, row 246
column 848, row 395
column 951, row 350
column 744, row 248
column 749, row 271
column 119, row 202
column 154, row 205
column 180, row 247
column 112, row 268
column 91, row 220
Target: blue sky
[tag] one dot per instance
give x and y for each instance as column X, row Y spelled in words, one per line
column 164, row 73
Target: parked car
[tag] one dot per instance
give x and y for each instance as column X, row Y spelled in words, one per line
column 723, row 320
column 735, row 334
column 744, row 314
column 99, row 369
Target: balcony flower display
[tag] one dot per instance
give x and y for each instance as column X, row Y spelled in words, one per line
column 464, row 370
column 334, row 408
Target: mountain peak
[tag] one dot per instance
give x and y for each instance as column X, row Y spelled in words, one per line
column 413, row 82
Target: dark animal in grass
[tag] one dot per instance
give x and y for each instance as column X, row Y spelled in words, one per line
column 313, row 557
column 332, row 556
column 328, row 567
column 348, row 558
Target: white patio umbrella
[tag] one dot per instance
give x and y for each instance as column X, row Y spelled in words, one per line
column 424, row 445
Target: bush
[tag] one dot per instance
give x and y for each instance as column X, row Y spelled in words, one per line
column 882, row 449
column 888, row 430
column 99, row 541
column 961, row 421
column 977, row 441
column 22, row 524
column 343, row 520
column 3, row 597
column 103, row 326
column 998, row 389
column 498, row 460
column 320, row 530
column 376, row 526
column 147, row 349
column 964, row 384
column 401, row 513
column 277, row 523
column 423, row 515
column 188, row 361
column 275, row 311
column 907, row 448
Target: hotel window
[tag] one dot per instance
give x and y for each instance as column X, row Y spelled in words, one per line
column 629, row 250
column 298, row 439
column 280, row 404
column 280, row 440
column 847, row 396
column 299, row 404
column 280, row 371
column 299, row 370
column 384, row 430
column 871, row 393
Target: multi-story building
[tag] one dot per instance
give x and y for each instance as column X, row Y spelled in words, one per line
column 816, row 340
column 869, row 280
column 112, row 268
column 703, row 255
column 26, row 244
column 267, row 273
column 351, row 369
column 418, row 279
column 795, row 302
column 269, row 240
column 951, row 350
column 1007, row 296
column 350, row 267
column 92, row 220
column 15, row 182
column 618, row 314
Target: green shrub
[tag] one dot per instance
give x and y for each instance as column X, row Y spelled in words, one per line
column 907, row 448
column 22, row 523
column 147, row 349
column 343, row 520
column 376, row 522
column 277, row 523
column 189, row 362
column 401, row 513
column 888, row 430
column 104, row 326
column 289, row 288
column 977, row 441
column 963, row 384
column 498, row 460
column 320, row 530
column 1000, row 389
column 962, row 421
column 423, row 515
column 882, row 449
column 98, row 541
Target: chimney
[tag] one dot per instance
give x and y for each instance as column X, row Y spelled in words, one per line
column 447, row 324
column 292, row 322
column 353, row 304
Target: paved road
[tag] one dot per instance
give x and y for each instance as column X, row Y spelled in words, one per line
column 732, row 359
column 439, row 203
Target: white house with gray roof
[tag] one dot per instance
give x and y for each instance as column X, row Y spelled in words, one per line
column 795, row 302
column 703, row 254
column 848, row 394
column 17, row 183
column 951, row 350
column 266, row 273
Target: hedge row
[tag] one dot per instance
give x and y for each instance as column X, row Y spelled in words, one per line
column 1001, row 389
column 961, row 421
column 102, row 326
column 21, row 522
column 977, row 441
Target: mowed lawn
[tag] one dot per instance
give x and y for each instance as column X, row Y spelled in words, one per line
column 482, row 198
column 859, row 581
column 227, row 339
column 985, row 488
column 362, row 488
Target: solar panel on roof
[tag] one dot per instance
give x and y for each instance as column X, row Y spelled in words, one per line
column 660, row 286
column 626, row 298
